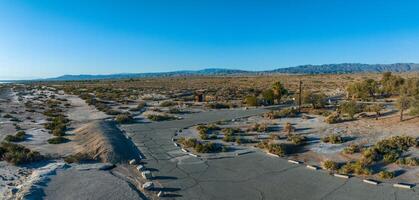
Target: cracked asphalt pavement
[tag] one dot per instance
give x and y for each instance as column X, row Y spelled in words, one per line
column 249, row 176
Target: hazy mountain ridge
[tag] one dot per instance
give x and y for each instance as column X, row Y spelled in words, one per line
column 302, row 69
column 349, row 68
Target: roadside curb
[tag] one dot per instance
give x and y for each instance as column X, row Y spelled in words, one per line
column 341, row 176
column 372, row 182
column 312, row 167
column 403, row 185
column 294, row 161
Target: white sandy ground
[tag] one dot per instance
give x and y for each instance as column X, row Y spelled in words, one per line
column 30, row 181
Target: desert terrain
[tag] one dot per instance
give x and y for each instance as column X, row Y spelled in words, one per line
column 245, row 137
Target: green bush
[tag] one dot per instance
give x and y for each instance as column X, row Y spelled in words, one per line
column 112, row 112
column 219, row 105
column 251, row 101
column 18, row 137
column 260, row 128
column 297, row 139
column 160, row 117
column 77, row 158
column 139, row 107
column 355, row 167
column 124, row 118
column 228, row 138
column 390, row 157
column 333, row 118
column 334, row 139
column 409, row 161
column 18, row 154
column 330, row 165
column 277, row 149
column 167, row 104
column 200, row 147
column 351, row 149
column 386, row 174
column 57, row 140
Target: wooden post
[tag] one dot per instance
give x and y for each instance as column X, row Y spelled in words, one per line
column 300, row 97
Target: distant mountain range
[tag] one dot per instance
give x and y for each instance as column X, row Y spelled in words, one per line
column 344, row 68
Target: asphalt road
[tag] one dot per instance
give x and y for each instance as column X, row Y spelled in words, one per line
column 250, row 176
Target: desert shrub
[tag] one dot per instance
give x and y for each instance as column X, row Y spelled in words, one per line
column 390, row 157
column 207, row 147
column 187, row 143
column 124, row 118
column 288, row 128
column 260, row 128
column 350, row 108
column 18, row 137
column 277, row 149
column 218, row 105
column 200, row 147
column 330, row 165
column 228, row 138
column 386, row 174
column 77, row 158
column 240, row 140
column 288, row 112
column 397, row 144
column 351, row 149
column 175, row 111
column 7, row 116
column 333, row 118
column 409, row 161
column 229, row 131
column 273, row 137
column 18, row 154
column 334, row 139
column 297, row 139
column 139, row 107
column 167, row 104
column 251, row 101
column 160, row 117
column 321, row 112
column 58, row 125
column 358, row 168
column 57, row 140
column 112, row 112
column 59, row 130
column 317, row 100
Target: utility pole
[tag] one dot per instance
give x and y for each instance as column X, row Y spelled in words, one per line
column 300, row 97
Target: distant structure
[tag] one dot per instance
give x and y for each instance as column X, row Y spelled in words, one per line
column 199, row 96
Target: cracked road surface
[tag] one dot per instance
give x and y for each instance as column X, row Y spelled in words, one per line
column 250, row 176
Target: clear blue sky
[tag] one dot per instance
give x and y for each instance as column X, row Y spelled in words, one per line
column 49, row 38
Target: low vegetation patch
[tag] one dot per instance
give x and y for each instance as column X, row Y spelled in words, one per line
column 18, row 137
column 77, row 158
column 162, row 117
column 124, row 118
column 409, row 161
column 386, row 174
column 200, row 147
column 330, row 165
column 357, row 167
column 351, row 149
column 18, row 154
column 333, row 139
column 57, row 140
column 297, row 139
column 333, row 118
column 277, row 149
